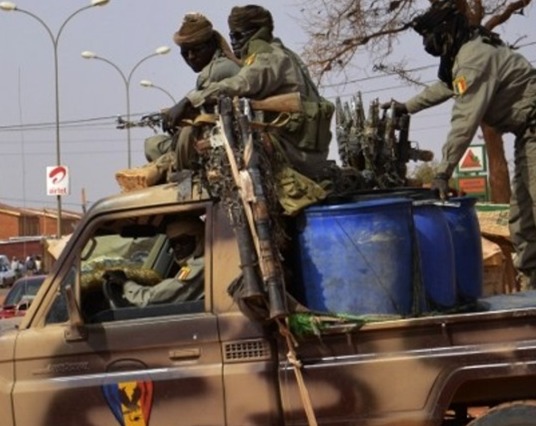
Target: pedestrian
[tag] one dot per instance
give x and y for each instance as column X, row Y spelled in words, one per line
column 30, row 265
column 493, row 84
column 270, row 68
column 38, row 264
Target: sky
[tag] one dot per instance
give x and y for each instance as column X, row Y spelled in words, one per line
column 92, row 93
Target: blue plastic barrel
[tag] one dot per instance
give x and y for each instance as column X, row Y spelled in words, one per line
column 461, row 216
column 357, row 258
column 436, row 256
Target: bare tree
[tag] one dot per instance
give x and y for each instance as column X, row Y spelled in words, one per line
column 339, row 29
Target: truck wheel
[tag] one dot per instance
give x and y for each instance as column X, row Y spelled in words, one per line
column 519, row 413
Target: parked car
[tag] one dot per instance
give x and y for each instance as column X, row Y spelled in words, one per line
column 20, row 296
column 7, row 276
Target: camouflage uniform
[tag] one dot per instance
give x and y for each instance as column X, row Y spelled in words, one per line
column 497, row 86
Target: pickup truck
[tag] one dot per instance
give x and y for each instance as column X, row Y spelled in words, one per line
column 77, row 359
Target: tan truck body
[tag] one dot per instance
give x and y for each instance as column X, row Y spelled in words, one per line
column 206, row 363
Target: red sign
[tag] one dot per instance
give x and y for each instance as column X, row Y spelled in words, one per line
column 57, row 180
column 473, row 184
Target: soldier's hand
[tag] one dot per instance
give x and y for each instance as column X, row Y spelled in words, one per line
column 440, row 184
column 400, row 108
column 172, row 117
column 116, row 277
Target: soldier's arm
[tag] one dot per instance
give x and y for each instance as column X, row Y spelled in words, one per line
column 475, row 93
column 258, row 79
column 432, row 95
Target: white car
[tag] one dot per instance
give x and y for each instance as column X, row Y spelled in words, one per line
column 7, row 276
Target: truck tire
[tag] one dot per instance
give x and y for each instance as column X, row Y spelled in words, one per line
column 519, row 413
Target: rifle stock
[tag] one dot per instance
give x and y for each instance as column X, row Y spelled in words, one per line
column 287, row 102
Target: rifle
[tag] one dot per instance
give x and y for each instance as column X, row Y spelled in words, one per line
column 271, row 269
column 237, row 212
column 342, row 130
column 248, row 182
column 405, row 151
column 287, row 102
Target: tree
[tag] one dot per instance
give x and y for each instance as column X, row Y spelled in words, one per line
column 338, row 29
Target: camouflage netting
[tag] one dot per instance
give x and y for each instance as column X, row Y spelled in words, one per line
column 312, row 324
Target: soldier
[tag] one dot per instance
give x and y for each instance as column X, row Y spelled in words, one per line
column 493, row 84
column 270, row 68
column 186, row 239
column 207, row 53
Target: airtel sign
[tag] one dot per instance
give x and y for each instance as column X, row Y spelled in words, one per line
column 58, row 180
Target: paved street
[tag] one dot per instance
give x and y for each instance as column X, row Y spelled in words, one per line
column 3, row 292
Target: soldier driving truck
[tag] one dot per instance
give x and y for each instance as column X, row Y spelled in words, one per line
column 350, row 327
column 186, row 241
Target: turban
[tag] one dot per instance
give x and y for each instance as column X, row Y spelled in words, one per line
column 440, row 12
column 195, row 29
column 186, row 226
column 250, row 17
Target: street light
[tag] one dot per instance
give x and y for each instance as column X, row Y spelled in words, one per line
column 148, row 83
column 8, row 6
column 162, row 50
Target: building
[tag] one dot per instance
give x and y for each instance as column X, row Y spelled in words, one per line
column 25, row 231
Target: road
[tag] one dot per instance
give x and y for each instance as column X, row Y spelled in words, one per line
column 3, row 292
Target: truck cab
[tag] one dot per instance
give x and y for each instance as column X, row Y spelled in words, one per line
column 137, row 365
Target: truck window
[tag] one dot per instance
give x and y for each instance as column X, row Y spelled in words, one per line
column 143, row 267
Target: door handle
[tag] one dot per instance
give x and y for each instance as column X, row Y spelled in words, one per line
column 184, row 354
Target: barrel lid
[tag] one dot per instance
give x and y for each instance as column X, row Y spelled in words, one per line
column 357, row 205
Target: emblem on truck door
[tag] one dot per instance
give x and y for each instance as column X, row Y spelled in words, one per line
column 130, row 402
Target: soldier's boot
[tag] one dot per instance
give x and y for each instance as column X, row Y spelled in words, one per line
column 139, row 177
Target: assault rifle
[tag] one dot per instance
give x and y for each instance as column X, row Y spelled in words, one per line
column 379, row 146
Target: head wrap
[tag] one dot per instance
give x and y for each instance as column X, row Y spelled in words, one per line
column 249, row 17
column 197, row 29
column 439, row 12
column 444, row 29
column 186, row 226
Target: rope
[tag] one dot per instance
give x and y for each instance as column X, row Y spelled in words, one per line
column 297, row 365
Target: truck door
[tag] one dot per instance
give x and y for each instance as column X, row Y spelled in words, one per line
column 158, row 364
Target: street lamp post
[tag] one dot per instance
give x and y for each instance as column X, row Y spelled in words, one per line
column 162, row 50
column 8, row 6
column 148, row 83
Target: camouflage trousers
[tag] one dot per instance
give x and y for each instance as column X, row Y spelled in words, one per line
column 522, row 221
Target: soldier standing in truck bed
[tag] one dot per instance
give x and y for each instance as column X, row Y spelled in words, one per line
column 270, row 68
column 493, row 84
